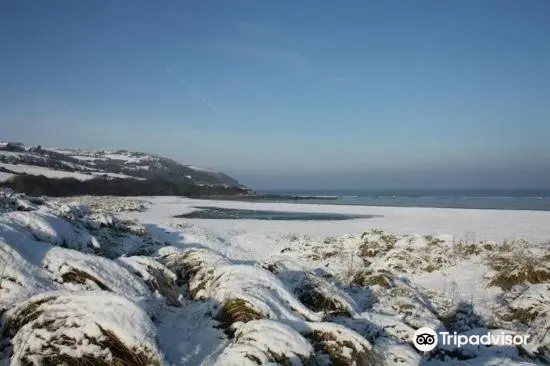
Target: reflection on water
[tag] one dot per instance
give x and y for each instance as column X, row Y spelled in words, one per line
column 237, row 214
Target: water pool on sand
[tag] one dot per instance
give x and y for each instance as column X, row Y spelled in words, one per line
column 240, row 214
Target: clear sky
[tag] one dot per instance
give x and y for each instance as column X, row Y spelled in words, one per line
column 290, row 94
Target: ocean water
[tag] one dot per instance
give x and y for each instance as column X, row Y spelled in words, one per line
column 475, row 199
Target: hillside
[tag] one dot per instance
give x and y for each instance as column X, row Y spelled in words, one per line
column 52, row 171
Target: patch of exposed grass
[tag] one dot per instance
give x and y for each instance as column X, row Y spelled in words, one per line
column 237, row 310
column 340, row 352
column 186, row 265
column 25, row 315
column 375, row 231
column 524, row 304
column 375, row 243
column 465, row 250
column 367, row 277
column 317, row 300
column 330, row 240
column 519, row 267
column 162, row 284
column 271, row 267
column 389, row 239
column 120, row 354
column 523, row 315
column 320, row 253
column 81, row 277
column 253, row 359
column 371, row 249
column 279, row 359
column 432, row 240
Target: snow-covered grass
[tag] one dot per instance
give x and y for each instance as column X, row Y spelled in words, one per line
column 120, row 281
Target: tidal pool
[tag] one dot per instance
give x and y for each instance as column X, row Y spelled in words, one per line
column 204, row 212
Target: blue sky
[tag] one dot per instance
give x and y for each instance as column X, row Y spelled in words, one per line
column 290, row 94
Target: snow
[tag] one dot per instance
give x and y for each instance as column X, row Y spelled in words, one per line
column 305, row 292
column 11, row 153
column 70, row 324
column 106, row 274
column 260, row 337
column 52, row 173
column 5, row 176
column 483, row 224
column 200, row 169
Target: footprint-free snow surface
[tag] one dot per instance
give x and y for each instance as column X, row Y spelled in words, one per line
column 122, row 281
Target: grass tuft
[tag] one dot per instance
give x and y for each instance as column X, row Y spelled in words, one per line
column 340, row 352
column 315, row 299
column 237, row 310
column 117, row 352
column 81, row 277
column 367, row 277
column 519, row 267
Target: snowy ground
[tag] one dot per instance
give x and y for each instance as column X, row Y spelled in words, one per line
column 53, row 173
column 93, row 279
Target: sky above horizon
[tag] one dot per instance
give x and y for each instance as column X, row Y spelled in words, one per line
column 290, row 94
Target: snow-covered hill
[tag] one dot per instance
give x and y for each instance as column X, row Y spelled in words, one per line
column 17, row 158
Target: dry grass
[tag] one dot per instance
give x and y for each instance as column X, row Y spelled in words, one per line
column 162, row 284
column 340, row 352
column 432, row 240
column 367, row 277
column 524, row 304
column 82, row 278
column 519, row 267
column 237, row 310
column 330, row 240
column 371, row 249
column 119, row 353
column 320, row 253
column 25, row 315
column 523, row 315
column 188, row 264
column 376, row 243
column 315, row 299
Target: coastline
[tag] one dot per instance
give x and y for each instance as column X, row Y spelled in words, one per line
column 523, row 200
column 265, row 197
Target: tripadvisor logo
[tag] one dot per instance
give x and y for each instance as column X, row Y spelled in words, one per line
column 426, row 339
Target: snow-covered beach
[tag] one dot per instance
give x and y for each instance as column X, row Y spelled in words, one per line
column 460, row 224
column 234, row 292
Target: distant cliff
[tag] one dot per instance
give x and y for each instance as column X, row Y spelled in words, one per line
column 61, row 172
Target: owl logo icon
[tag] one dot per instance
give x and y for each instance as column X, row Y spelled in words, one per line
column 425, row 339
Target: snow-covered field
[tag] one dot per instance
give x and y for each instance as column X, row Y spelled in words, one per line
column 53, row 173
column 105, row 280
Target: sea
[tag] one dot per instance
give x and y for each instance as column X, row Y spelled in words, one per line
column 510, row 199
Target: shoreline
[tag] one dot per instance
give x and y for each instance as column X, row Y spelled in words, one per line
column 466, row 203
column 265, row 198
